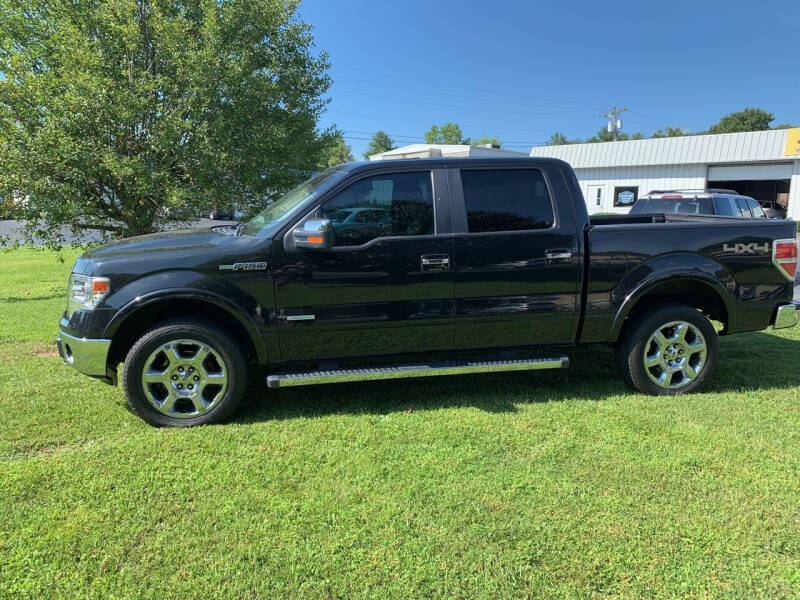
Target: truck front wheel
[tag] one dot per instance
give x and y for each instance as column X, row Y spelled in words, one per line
column 670, row 350
column 184, row 372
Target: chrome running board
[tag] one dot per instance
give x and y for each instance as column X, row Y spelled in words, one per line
column 450, row 368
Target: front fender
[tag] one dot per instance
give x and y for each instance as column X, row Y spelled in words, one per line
column 670, row 267
column 187, row 285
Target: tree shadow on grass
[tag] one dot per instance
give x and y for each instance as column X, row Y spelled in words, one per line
column 754, row 361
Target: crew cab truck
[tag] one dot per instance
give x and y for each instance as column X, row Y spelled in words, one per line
column 447, row 266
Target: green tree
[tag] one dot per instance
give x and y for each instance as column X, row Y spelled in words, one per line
column 380, row 142
column 604, row 135
column 785, row 126
column 115, row 114
column 749, row 119
column 484, row 140
column 336, row 152
column 449, row 133
column 668, row 132
column 559, row 139
column 6, row 208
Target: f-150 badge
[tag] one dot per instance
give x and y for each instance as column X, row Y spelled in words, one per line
column 245, row 266
column 751, row 248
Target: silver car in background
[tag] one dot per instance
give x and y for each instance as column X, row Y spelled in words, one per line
column 726, row 203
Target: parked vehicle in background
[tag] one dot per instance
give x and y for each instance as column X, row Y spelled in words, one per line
column 773, row 209
column 357, row 225
column 726, row 203
column 410, row 268
column 225, row 214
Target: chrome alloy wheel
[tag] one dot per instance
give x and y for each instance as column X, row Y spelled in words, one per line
column 675, row 355
column 184, row 378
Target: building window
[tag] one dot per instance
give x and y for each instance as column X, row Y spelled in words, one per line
column 626, row 196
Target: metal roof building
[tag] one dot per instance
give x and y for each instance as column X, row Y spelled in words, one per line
column 446, row 150
column 761, row 164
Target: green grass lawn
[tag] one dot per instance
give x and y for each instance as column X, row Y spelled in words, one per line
column 552, row 484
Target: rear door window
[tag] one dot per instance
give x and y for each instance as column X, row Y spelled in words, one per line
column 506, row 200
column 744, row 209
column 726, row 207
column 757, row 211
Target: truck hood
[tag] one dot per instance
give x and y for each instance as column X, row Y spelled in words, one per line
column 165, row 241
column 183, row 249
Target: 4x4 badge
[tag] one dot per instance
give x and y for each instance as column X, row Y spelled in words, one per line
column 246, row 266
column 751, row 248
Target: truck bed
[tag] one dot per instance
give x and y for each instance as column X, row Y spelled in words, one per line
column 601, row 220
column 695, row 253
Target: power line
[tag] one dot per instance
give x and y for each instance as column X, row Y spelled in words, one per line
column 578, row 104
column 428, row 122
column 463, row 107
column 585, row 105
column 495, row 92
column 418, row 140
column 652, row 118
column 398, row 136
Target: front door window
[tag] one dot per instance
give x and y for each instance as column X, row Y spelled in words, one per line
column 397, row 204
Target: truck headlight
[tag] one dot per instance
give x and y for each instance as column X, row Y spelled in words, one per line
column 85, row 293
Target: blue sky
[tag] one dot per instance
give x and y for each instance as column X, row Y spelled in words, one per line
column 522, row 70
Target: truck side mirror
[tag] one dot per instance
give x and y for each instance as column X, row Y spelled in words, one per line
column 316, row 234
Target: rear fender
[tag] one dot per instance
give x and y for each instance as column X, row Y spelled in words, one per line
column 670, row 268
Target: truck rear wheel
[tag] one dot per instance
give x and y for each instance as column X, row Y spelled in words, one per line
column 671, row 350
column 184, row 372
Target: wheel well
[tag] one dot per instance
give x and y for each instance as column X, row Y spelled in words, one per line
column 686, row 291
column 148, row 316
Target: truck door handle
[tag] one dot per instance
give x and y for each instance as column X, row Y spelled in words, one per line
column 435, row 262
column 557, row 255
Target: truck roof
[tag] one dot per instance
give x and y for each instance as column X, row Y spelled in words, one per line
column 429, row 163
column 706, row 192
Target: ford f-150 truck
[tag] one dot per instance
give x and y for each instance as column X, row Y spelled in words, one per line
column 420, row 267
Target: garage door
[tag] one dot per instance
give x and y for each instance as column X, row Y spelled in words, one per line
column 750, row 172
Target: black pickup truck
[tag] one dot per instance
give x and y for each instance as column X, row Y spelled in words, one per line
column 420, row 267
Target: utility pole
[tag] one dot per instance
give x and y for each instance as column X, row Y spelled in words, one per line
column 614, row 122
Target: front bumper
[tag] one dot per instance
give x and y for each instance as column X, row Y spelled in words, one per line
column 787, row 315
column 87, row 356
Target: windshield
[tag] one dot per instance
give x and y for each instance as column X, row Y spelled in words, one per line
column 278, row 212
column 681, row 206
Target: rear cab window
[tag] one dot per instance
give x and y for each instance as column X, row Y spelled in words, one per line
column 688, row 205
column 506, row 200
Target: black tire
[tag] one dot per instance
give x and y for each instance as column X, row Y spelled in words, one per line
column 620, row 364
column 682, row 364
column 223, row 363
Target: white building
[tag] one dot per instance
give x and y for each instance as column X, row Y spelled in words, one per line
column 761, row 164
column 445, row 151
